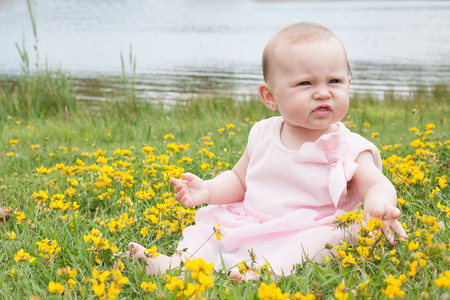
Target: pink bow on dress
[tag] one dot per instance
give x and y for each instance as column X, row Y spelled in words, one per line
column 328, row 150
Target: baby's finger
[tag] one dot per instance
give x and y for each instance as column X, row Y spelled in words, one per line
column 185, row 201
column 188, row 176
column 180, row 194
column 398, row 228
column 175, row 181
column 388, row 233
column 392, row 212
column 178, row 187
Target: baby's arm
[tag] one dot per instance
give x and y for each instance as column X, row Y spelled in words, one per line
column 227, row 187
column 378, row 196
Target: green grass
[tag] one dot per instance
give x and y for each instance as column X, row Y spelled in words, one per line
column 33, row 112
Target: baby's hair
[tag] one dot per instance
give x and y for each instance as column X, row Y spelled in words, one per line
column 298, row 32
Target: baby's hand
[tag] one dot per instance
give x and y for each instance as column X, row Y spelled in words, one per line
column 389, row 215
column 191, row 191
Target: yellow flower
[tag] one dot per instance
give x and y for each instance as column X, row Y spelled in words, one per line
column 416, row 143
column 413, row 246
column 205, row 280
column 23, row 256
column 433, row 193
column 55, row 287
column 48, row 248
column 190, row 290
column 71, row 283
column 430, row 126
column 442, row 181
column 66, row 272
column 375, row 134
column 199, row 265
column 117, row 278
column 205, row 166
column 103, row 276
column 34, row 147
column 20, row 216
column 11, row 235
column 147, row 150
column 148, row 287
column 10, row 154
column 98, row 289
column 243, row 267
column 348, row 260
column 174, row 283
column 151, row 252
column 443, row 281
column 339, row 294
column 271, row 292
column 393, row 287
column 43, row 170
column 413, row 268
column 13, row 142
column 217, row 231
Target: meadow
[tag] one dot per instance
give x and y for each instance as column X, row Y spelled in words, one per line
column 78, row 181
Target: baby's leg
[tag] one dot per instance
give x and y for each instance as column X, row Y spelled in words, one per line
column 155, row 265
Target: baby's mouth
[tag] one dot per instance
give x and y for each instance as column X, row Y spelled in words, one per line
column 323, row 108
column 322, row 111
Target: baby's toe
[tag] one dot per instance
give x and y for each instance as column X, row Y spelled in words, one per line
column 136, row 251
column 235, row 275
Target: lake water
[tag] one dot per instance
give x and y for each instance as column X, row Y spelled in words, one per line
column 201, row 47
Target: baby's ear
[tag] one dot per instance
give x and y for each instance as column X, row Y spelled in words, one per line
column 266, row 96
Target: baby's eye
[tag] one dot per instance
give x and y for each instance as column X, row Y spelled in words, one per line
column 334, row 81
column 304, row 83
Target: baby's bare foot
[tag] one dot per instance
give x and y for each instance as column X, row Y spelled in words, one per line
column 138, row 252
column 155, row 263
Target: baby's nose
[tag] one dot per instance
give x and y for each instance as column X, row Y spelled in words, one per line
column 321, row 93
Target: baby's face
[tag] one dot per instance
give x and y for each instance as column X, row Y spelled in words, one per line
column 310, row 83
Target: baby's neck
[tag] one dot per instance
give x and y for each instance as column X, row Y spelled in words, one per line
column 294, row 137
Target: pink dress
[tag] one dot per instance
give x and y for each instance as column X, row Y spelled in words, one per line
column 291, row 201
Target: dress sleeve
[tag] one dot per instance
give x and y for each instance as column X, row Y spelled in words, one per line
column 360, row 144
column 253, row 137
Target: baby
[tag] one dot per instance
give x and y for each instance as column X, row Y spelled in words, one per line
column 298, row 172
